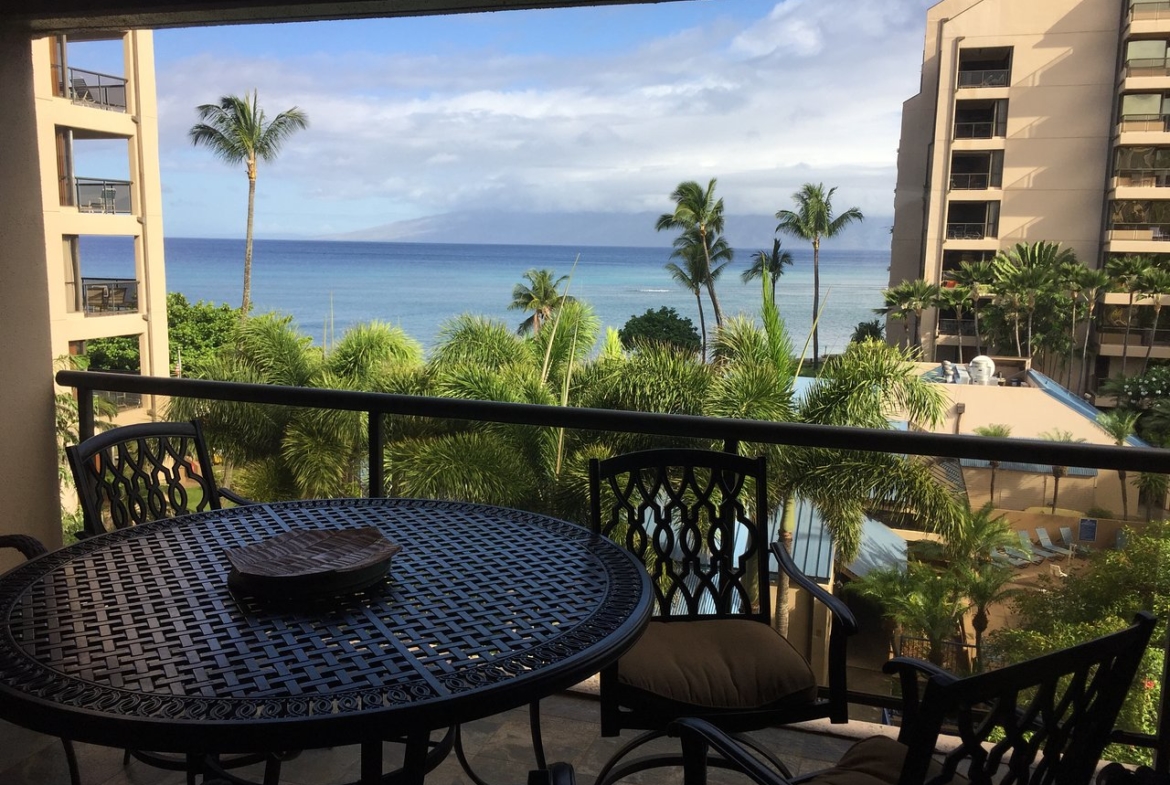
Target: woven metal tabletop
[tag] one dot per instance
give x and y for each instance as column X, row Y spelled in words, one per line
column 134, row 638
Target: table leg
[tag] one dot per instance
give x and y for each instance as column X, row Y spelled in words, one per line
column 414, row 761
column 371, row 763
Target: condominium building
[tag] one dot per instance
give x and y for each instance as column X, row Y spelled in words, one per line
column 1045, row 120
column 101, row 197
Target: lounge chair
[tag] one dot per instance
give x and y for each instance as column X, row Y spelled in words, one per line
column 1066, row 537
column 1027, row 557
column 1030, row 548
column 1001, row 557
column 81, row 91
column 1047, row 543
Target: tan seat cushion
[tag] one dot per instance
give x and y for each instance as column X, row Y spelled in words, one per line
column 873, row 761
column 724, row 664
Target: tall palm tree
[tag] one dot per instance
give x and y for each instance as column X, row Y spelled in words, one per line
column 1091, row 284
column 541, row 295
column 1119, row 424
column 911, row 298
column 986, row 586
column 696, row 210
column 955, row 298
column 237, row 131
column 769, row 264
column 1058, row 435
column 1024, row 273
column 813, row 220
column 1152, row 284
column 977, row 277
column 994, row 431
column 701, row 263
column 1126, row 271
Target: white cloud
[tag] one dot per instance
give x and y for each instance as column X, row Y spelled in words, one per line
column 810, row 91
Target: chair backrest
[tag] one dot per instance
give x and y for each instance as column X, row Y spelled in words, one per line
column 139, row 473
column 1067, row 536
column 695, row 518
column 1042, row 536
column 1054, row 714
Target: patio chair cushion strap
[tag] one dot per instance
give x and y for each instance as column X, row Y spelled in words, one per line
column 718, row 664
column 876, row 760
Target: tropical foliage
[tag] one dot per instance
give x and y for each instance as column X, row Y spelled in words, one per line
column 662, row 326
column 699, row 217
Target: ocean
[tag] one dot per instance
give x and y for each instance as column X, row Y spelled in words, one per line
column 417, row 286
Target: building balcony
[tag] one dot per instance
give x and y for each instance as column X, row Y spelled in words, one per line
column 965, row 327
column 1141, row 178
column 988, row 77
column 1146, row 66
column 970, row 231
column 970, row 182
column 1138, row 232
column 108, row 296
column 90, row 88
column 1144, row 123
column 95, row 195
column 1149, row 10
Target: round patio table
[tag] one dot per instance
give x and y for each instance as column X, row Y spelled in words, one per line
column 133, row 639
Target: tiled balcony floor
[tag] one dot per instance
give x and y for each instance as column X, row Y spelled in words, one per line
column 498, row 747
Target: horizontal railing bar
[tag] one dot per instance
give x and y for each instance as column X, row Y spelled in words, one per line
column 796, row 434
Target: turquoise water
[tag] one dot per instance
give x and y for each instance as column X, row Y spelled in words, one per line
column 418, row 285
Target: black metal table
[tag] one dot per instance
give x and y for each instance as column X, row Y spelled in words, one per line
column 133, row 639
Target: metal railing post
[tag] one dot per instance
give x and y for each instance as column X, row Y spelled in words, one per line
column 377, row 442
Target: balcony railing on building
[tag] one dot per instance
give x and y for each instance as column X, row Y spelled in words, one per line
column 989, row 77
column 90, row 88
column 1138, row 123
column 1148, row 66
column 1141, row 178
column 969, row 231
column 956, row 326
column 106, row 296
column 976, row 130
column 102, row 196
column 970, row 182
column 1143, row 231
column 1138, row 336
column 1149, row 10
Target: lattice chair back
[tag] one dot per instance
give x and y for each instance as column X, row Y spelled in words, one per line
column 694, row 517
column 139, row 473
column 1041, row 722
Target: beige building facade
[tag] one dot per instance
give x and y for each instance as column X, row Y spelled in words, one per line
column 1037, row 121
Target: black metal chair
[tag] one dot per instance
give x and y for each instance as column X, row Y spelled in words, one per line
column 1041, row 722
column 697, row 518
column 30, row 548
column 140, row 473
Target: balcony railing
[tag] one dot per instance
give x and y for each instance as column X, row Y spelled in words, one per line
column 105, row 296
column 1144, row 231
column 102, row 196
column 956, row 326
column 1149, row 10
column 89, row 88
column 970, row 182
column 1148, row 66
column 1141, row 178
column 988, row 77
column 974, row 130
column 969, row 231
column 378, row 406
column 1138, row 123
column 1138, row 336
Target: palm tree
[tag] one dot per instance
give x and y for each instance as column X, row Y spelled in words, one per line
column 697, row 210
column 1024, row 273
column 770, row 264
column 956, row 298
column 237, row 131
column 1119, row 424
column 696, row 270
column 1152, row 284
column 813, row 220
column 911, row 298
column 868, row 331
column 1091, row 283
column 994, row 431
column 1126, row 271
column 541, row 295
column 1058, row 435
column 984, row 587
column 976, row 277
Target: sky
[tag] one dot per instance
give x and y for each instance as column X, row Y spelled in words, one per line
column 588, row 110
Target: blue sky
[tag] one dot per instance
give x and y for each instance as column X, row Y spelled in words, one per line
column 571, row 110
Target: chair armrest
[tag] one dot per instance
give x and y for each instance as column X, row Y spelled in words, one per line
column 842, row 616
column 699, row 735
column 234, row 497
column 909, row 670
column 30, row 547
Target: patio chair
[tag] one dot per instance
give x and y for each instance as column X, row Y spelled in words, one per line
column 1003, row 557
column 1030, row 548
column 30, row 548
column 81, row 91
column 1066, row 537
column 139, row 473
column 1043, row 722
column 1028, row 557
column 697, row 519
column 1047, row 543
